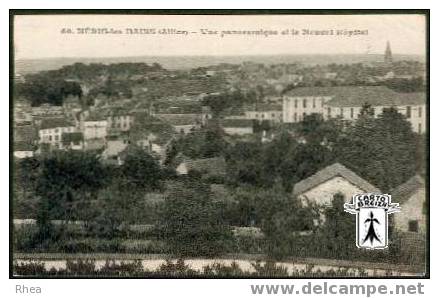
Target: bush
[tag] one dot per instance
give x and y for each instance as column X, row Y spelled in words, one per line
column 269, row 269
column 112, row 268
column 32, row 268
column 177, row 269
column 221, row 270
column 81, row 267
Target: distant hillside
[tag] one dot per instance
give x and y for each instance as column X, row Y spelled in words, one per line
column 185, row 62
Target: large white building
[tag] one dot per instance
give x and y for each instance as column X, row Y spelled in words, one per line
column 346, row 102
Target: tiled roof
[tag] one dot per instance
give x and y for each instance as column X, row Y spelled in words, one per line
column 403, row 192
column 265, row 107
column 356, row 96
column 179, row 119
column 236, row 123
column 334, row 170
column 54, row 123
column 25, row 133
column 23, row 146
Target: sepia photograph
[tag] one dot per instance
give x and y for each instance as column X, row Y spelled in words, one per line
column 219, row 144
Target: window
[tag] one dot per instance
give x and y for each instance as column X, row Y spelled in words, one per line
column 341, row 112
column 313, row 102
column 303, row 115
column 419, row 128
column 329, row 112
column 304, row 103
column 323, row 102
column 420, row 112
column 352, row 112
column 295, row 117
column 263, row 116
column 413, row 226
column 295, row 103
column 273, row 115
column 56, row 138
column 409, row 112
column 50, row 138
column 372, row 110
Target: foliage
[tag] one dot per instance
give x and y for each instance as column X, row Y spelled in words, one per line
column 380, row 150
column 140, row 171
column 205, row 143
column 191, row 223
column 40, row 88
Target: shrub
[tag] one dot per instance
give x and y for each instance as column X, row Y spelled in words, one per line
column 112, row 268
column 31, row 268
column 81, row 267
column 221, row 270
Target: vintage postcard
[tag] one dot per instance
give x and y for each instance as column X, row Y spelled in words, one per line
column 215, row 144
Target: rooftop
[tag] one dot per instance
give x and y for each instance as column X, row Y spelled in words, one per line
column 355, row 96
column 236, row 123
column 334, row 170
column 179, row 119
column 23, row 146
column 403, row 192
column 49, row 123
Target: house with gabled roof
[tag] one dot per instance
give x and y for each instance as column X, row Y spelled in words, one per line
column 411, row 197
column 321, row 187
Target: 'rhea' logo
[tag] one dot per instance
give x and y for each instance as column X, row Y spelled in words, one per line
column 371, row 212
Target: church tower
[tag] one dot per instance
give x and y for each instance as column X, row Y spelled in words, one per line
column 388, row 54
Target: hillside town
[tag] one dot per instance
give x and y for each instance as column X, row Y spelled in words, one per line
column 253, row 135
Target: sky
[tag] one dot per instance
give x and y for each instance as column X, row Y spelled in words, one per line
column 40, row 36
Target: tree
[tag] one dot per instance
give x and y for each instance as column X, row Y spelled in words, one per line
column 68, row 182
column 282, row 218
column 191, row 223
column 381, row 149
column 337, row 234
column 115, row 207
column 140, row 171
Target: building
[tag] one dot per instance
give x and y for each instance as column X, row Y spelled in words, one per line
column 23, row 150
column 412, row 199
column 72, row 140
column 237, row 126
column 268, row 112
column 52, row 129
column 346, row 102
column 321, row 187
column 113, row 148
column 207, row 167
column 182, row 123
column 47, row 110
column 119, row 120
column 22, row 112
column 94, row 126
